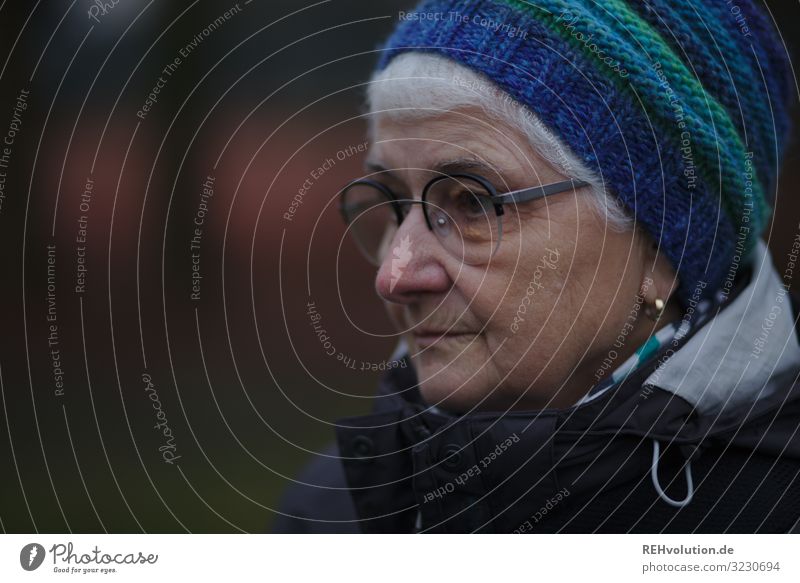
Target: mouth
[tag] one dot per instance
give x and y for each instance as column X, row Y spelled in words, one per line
column 428, row 338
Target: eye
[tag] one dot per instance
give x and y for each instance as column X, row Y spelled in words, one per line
column 469, row 204
column 461, row 199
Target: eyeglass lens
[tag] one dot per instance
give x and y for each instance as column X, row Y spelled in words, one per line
column 458, row 210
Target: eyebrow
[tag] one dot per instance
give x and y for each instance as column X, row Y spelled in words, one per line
column 452, row 166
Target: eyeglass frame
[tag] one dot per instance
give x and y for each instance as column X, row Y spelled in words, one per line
column 497, row 200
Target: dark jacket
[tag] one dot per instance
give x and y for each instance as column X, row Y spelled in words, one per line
column 597, row 467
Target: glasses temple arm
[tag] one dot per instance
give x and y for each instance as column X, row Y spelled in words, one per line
column 535, row 192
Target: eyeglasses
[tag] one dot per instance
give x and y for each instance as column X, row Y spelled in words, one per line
column 463, row 210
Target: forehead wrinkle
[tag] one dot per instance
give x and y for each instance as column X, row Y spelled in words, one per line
column 501, row 165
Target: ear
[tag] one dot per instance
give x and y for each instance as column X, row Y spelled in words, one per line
column 659, row 279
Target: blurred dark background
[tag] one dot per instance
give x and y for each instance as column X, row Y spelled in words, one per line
column 255, row 104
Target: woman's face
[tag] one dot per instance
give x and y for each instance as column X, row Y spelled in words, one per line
column 529, row 330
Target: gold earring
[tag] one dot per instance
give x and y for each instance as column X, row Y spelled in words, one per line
column 655, row 314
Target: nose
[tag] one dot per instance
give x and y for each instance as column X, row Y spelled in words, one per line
column 414, row 264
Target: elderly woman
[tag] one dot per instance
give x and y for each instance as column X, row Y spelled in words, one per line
column 564, row 200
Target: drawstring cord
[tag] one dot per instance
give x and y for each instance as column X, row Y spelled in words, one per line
column 654, row 474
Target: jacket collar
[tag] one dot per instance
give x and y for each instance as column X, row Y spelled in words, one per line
column 744, row 354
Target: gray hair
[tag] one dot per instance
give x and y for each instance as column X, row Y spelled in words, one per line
column 416, row 85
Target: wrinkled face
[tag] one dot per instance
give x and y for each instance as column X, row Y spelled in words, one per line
column 530, row 329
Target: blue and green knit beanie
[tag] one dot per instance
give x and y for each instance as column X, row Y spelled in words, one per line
column 681, row 108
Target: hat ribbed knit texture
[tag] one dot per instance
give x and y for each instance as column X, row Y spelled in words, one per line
column 680, row 107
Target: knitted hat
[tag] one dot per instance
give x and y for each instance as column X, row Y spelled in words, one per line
column 681, row 108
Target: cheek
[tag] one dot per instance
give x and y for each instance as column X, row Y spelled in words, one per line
column 537, row 283
column 484, row 295
column 608, row 271
column 533, row 306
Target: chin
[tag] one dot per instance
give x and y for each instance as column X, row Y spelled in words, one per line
column 450, row 386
